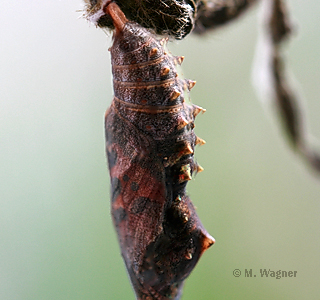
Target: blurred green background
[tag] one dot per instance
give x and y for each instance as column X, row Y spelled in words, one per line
column 255, row 197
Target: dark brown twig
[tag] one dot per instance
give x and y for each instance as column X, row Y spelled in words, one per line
column 272, row 83
column 215, row 13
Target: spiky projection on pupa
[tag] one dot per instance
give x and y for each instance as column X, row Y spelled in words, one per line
column 150, row 145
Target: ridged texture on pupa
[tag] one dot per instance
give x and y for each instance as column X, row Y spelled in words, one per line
column 150, row 143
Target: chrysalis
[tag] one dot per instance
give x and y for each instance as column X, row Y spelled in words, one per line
column 150, row 145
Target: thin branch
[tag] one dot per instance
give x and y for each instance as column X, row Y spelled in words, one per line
column 215, row 13
column 271, row 79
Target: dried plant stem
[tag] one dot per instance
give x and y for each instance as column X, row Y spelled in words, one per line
column 271, row 79
column 215, row 13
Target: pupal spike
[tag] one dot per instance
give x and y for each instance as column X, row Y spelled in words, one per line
column 153, row 52
column 163, row 41
column 207, row 240
column 190, row 84
column 199, row 169
column 165, row 71
column 174, row 95
column 187, row 149
column 182, row 122
column 200, row 141
column 179, row 60
column 185, row 218
column 197, row 109
column 178, row 199
column 185, row 173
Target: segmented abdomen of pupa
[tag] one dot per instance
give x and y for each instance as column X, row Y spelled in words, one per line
column 150, row 147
